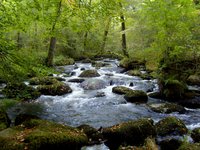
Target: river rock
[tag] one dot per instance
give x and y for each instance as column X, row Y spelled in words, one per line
column 99, row 64
column 129, row 133
column 170, row 143
column 93, row 84
column 121, row 90
column 166, row 108
column 171, row 126
column 95, row 136
column 37, row 134
column 4, row 120
column 136, row 96
column 76, row 80
column 129, row 64
column 196, row 135
column 193, row 80
column 191, row 103
column 89, row 73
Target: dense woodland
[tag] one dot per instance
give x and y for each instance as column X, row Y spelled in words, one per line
column 162, row 36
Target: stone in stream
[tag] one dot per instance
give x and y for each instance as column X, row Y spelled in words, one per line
column 136, row 96
column 37, row 134
column 196, row 135
column 193, row 80
column 121, row 90
column 171, row 126
column 166, row 108
column 93, row 84
column 89, row 73
column 76, row 80
column 129, row 133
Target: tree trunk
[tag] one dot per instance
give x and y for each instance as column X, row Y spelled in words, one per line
column 52, row 44
column 123, row 27
column 51, row 51
column 105, row 35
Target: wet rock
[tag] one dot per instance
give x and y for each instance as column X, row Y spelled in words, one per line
column 156, row 95
column 82, row 69
column 136, row 96
column 20, row 91
column 38, row 134
column 193, row 80
column 94, row 136
column 100, row 94
column 109, row 74
column 166, row 108
column 131, row 84
column 59, row 79
column 93, row 84
column 171, row 126
column 170, row 143
column 189, row 146
column 58, row 88
column 76, row 80
column 99, row 64
column 196, row 135
column 4, row 120
column 129, row 133
column 87, row 60
column 24, row 117
column 121, row 90
column 190, row 103
column 129, row 64
column 89, row 73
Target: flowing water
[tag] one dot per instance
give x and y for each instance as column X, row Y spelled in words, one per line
column 84, row 107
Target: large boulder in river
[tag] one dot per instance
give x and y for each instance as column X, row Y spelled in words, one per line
column 166, row 108
column 36, row 134
column 196, row 135
column 171, row 126
column 4, row 120
column 193, row 80
column 93, row 84
column 136, row 96
column 190, row 146
column 89, row 73
column 121, row 90
column 129, row 133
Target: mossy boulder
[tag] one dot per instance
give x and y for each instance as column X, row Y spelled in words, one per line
column 20, row 91
column 156, row 95
column 136, row 96
column 193, row 80
column 93, row 84
column 38, row 134
column 196, row 135
column 170, row 144
column 95, row 136
column 129, row 133
column 58, row 88
column 172, row 90
column 129, row 64
column 89, row 73
column 171, row 126
column 4, row 120
column 138, row 73
column 166, row 108
column 50, row 86
column 190, row 146
column 62, row 61
column 121, row 90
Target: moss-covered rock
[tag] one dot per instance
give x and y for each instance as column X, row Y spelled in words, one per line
column 4, row 120
column 171, row 126
column 94, row 136
column 138, row 73
column 121, row 90
column 136, row 96
column 50, row 86
column 172, row 89
column 190, row 146
column 166, row 108
column 62, row 61
column 20, row 91
column 196, row 135
column 93, row 84
column 170, row 144
column 58, row 88
column 156, row 95
column 76, row 80
column 193, row 80
column 38, row 134
column 129, row 64
column 89, row 73
column 99, row 64
column 129, row 133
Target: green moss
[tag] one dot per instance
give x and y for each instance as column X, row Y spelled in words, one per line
column 189, row 146
column 171, row 126
column 61, row 61
column 20, row 91
column 196, row 135
column 89, row 73
column 4, row 120
column 136, row 96
column 42, row 81
column 7, row 103
column 121, row 90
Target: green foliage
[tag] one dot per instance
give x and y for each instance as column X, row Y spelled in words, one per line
column 63, row 60
column 7, row 103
